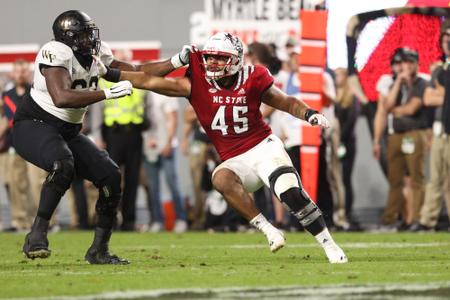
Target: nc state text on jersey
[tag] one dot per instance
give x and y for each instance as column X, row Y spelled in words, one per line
column 229, row 100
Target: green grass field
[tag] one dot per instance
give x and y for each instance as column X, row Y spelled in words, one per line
column 202, row 265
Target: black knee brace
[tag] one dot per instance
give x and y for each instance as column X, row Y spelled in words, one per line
column 298, row 202
column 109, row 194
column 61, row 176
column 295, row 198
column 280, row 171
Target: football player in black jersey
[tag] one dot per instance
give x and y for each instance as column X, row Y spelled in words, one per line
column 47, row 127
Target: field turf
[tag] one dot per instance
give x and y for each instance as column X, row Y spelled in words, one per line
column 231, row 266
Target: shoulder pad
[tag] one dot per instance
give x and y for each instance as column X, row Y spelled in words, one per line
column 55, row 54
column 105, row 53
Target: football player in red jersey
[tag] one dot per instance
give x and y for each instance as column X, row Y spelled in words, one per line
column 226, row 96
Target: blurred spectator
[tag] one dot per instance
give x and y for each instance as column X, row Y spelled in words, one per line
column 437, row 94
column 406, row 144
column 197, row 150
column 23, row 199
column 260, row 53
column 219, row 215
column 379, row 147
column 123, row 123
column 347, row 111
column 379, row 126
column 160, row 149
column 331, row 193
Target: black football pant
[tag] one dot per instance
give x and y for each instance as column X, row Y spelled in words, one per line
column 42, row 144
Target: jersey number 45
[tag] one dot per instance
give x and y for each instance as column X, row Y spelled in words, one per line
column 239, row 122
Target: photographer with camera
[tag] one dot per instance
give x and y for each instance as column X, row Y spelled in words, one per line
column 406, row 144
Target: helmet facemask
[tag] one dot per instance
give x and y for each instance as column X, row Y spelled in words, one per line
column 226, row 70
column 86, row 42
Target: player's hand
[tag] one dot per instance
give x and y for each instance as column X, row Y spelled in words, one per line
column 102, row 70
column 182, row 58
column 318, row 120
column 118, row 90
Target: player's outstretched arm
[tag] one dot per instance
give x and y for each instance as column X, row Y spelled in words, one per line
column 59, row 85
column 276, row 98
column 157, row 68
column 178, row 87
column 172, row 87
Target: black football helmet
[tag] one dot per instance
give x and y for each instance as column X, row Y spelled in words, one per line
column 78, row 31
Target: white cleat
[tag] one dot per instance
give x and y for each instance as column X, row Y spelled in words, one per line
column 335, row 254
column 276, row 240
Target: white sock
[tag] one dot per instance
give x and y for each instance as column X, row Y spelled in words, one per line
column 324, row 238
column 261, row 223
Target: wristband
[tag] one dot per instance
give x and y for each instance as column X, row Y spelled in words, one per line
column 309, row 112
column 112, row 75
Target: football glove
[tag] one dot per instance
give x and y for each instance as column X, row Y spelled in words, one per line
column 118, row 90
column 182, row 58
column 316, row 119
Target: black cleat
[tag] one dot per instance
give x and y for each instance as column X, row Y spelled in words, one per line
column 101, row 256
column 36, row 248
column 98, row 253
column 36, row 242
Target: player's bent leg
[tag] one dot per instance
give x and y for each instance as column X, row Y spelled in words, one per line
column 226, row 182
column 285, row 183
column 106, row 208
column 56, row 184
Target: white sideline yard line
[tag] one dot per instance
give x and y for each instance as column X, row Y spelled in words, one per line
column 352, row 245
column 328, row 292
column 385, row 245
